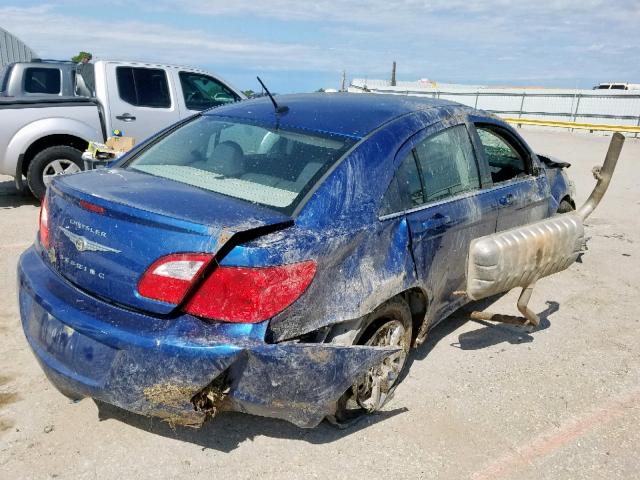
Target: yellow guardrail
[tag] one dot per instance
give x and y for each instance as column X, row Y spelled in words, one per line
column 582, row 126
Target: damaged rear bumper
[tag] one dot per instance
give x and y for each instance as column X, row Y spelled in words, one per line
column 183, row 369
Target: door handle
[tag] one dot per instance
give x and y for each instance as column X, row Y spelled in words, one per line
column 126, row 117
column 436, row 222
column 506, row 200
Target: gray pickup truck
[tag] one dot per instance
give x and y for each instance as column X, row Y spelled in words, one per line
column 49, row 110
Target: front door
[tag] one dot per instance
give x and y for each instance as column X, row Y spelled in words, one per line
column 522, row 196
column 140, row 100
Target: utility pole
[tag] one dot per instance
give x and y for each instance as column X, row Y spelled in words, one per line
column 344, row 81
column 393, row 75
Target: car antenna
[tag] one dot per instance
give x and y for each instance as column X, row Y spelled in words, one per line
column 279, row 108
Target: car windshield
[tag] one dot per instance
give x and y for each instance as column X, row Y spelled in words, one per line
column 264, row 165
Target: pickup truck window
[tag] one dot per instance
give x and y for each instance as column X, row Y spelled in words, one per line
column 42, row 80
column 202, row 92
column 143, row 87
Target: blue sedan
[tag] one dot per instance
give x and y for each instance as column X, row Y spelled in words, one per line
column 279, row 262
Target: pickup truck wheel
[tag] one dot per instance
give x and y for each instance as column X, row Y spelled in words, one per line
column 49, row 163
column 389, row 325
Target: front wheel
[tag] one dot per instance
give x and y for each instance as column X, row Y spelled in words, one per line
column 49, row 163
column 389, row 325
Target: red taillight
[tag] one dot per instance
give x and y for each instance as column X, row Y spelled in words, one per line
column 44, row 223
column 250, row 295
column 169, row 278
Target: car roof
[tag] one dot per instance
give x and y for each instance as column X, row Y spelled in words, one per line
column 348, row 114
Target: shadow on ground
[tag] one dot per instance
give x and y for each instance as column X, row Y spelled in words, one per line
column 227, row 431
column 494, row 333
column 230, row 429
column 11, row 197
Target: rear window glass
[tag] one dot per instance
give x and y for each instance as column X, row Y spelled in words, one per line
column 271, row 167
column 143, row 87
column 42, row 80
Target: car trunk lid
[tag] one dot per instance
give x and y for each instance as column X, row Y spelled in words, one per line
column 107, row 227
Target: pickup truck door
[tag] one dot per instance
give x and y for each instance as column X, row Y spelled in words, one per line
column 522, row 196
column 141, row 100
column 445, row 207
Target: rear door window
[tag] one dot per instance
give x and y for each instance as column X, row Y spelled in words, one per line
column 42, row 80
column 202, row 92
column 440, row 166
column 405, row 191
column 143, row 87
column 448, row 164
column 505, row 158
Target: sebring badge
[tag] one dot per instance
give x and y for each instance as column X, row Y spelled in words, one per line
column 83, row 244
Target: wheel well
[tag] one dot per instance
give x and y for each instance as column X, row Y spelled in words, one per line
column 51, row 141
column 418, row 303
column 568, row 199
column 352, row 331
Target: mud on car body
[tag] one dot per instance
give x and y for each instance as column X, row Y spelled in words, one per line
column 279, row 264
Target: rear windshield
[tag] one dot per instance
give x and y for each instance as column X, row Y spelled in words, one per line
column 264, row 165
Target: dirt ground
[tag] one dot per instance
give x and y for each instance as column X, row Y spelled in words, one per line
column 480, row 401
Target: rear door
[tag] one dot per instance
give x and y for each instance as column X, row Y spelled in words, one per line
column 445, row 206
column 140, row 99
column 523, row 196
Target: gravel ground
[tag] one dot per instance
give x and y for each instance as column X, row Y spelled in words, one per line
column 480, row 401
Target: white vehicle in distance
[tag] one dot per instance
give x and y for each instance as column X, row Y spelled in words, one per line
column 617, row 86
column 45, row 126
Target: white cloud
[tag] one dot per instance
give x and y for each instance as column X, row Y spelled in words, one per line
column 390, row 11
column 450, row 40
column 41, row 28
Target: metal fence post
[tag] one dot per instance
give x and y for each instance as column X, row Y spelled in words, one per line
column 575, row 113
column 577, row 96
column 476, row 104
column 522, row 104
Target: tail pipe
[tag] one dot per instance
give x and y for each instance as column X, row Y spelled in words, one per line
column 520, row 256
column 603, row 176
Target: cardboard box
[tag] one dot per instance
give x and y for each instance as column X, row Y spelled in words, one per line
column 120, row 144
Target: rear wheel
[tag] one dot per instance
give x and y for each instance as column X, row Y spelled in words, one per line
column 388, row 326
column 49, row 163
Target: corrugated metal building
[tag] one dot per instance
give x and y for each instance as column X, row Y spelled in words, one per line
column 12, row 49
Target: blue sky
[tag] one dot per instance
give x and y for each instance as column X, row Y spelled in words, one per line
column 298, row 46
